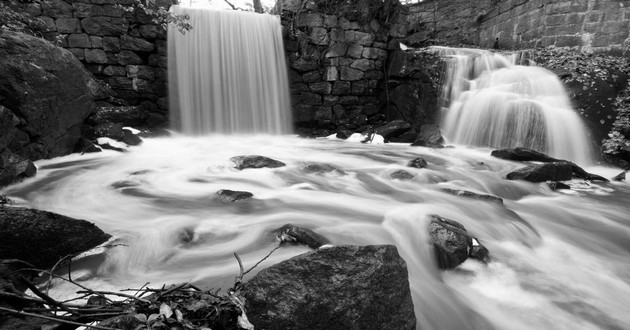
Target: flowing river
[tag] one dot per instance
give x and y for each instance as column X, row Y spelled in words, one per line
column 560, row 260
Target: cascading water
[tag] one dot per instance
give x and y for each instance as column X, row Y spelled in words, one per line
column 493, row 102
column 228, row 74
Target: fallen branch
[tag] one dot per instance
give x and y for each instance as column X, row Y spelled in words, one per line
column 56, row 319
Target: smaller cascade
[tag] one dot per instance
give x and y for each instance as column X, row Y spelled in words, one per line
column 491, row 101
column 228, row 74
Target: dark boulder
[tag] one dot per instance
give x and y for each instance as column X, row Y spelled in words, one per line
column 320, row 168
column 343, row 287
column 110, row 130
column 579, row 172
column 479, row 252
column 42, row 238
column 451, row 242
column 298, row 235
column 125, row 115
column 255, row 161
column 392, row 129
column 86, row 146
column 558, row 171
column 232, row 196
column 418, row 162
column 343, row 134
column 473, row 195
column 555, row 185
column 621, row 176
column 14, row 168
column 429, row 136
column 401, row 175
column 48, row 90
column 522, row 155
column 130, row 139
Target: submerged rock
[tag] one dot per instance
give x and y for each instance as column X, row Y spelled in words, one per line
column 557, row 185
column 473, row 195
column 255, row 161
column 418, row 162
column 451, row 242
column 429, row 136
column 298, row 235
column 401, row 175
column 42, row 238
column 320, row 168
column 522, row 155
column 343, row 287
column 232, row 196
column 558, row 171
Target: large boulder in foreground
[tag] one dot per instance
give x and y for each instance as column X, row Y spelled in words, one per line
column 42, row 238
column 556, row 171
column 451, row 242
column 49, row 93
column 343, row 287
column 522, row 155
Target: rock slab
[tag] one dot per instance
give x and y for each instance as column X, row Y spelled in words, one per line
column 343, row 287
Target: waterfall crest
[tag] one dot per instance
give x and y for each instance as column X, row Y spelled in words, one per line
column 228, row 74
column 493, row 102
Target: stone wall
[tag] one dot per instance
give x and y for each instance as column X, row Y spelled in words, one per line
column 124, row 48
column 337, row 66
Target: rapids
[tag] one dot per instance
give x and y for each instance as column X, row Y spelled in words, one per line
column 560, row 260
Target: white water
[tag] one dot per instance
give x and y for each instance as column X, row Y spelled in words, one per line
column 228, row 74
column 560, row 260
column 493, row 102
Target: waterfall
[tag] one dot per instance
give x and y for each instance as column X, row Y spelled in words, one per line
column 491, row 101
column 228, row 74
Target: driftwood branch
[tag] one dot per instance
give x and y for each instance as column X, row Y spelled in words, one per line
column 55, row 319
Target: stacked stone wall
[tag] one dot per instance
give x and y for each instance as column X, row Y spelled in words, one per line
column 337, row 67
column 123, row 48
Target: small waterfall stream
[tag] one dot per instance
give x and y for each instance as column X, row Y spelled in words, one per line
column 493, row 102
column 228, row 74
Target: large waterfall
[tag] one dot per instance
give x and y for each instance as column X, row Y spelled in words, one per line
column 493, row 102
column 228, row 74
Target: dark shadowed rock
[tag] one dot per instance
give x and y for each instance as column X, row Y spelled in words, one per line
column 110, row 130
column 343, row 287
column 522, row 155
column 231, row 196
column 473, row 195
column 42, row 238
column 429, row 136
column 401, row 175
column 343, row 134
column 298, row 235
column 255, row 161
column 392, row 129
column 86, row 146
column 579, row 172
column 418, row 163
column 558, row 171
column 130, row 139
column 320, row 168
column 451, row 242
column 620, row 177
column 479, row 252
column 557, row 185
column 14, row 168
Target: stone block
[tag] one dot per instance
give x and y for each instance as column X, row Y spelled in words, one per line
column 558, row 7
column 68, row 25
column 555, row 20
column 338, row 35
column 374, row 53
column 49, row 24
column 341, row 88
column 95, row 68
column 302, row 65
column 331, row 73
column 127, row 57
column 359, row 87
column 310, row 20
column 56, row 9
column 152, row 32
column 362, row 64
column 311, row 76
column 330, row 21
column 398, row 30
column 363, row 38
column 97, row 56
column 349, row 100
column 113, row 11
column 355, row 51
column 111, row 44
column 323, row 113
column 336, row 50
column 112, row 58
column 141, row 72
column 115, row 70
column 320, row 87
column 576, row 18
column 309, row 98
column 79, row 41
column 120, row 82
column 158, row 61
column 34, row 9
column 82, row 10
column 303, row 113
column 105, row 26
column 97, row 42
column 319, row 36
column 343, row 23
column 135, row 44
column 330, row 100
column 79, row 53
column 339, row 111
column 300, row 87
column 568, row 41
column 141, row 85
column 161, row 47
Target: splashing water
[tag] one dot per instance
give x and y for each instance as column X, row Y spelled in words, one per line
column 228, row 74
column 559, row 260
column 493, row 102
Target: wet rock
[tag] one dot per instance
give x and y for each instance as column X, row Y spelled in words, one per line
column 343, row 134
column 130, row 139
column 418, row 162
column 620, row 177
column 232, row 196
column 557, row 185
column 343, row 287
column 429, row 136
column 579, row 172
column 557, row 171
column 14, row 168
column 298, row 235
column 320, row 168
column 392, row 129
column 124, row 184
column 401, row 175
column 255, row 161
column 479, row 252
column 522, row 155
column 86, row 146
column 451, row 242
column 125, row 115
column 473, row 195
column 407, row 137
column 42, row 238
